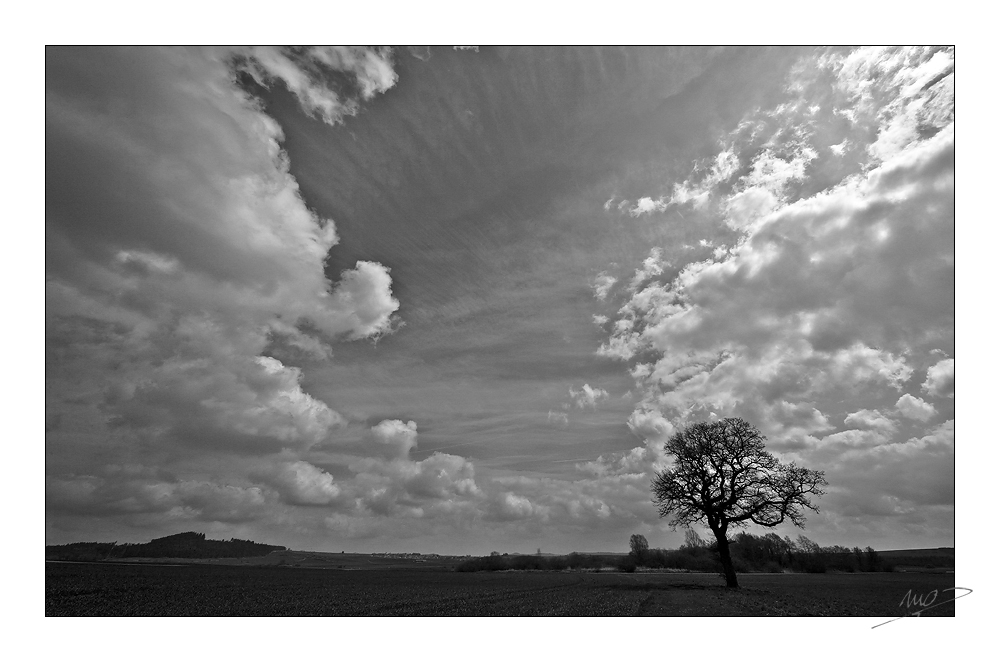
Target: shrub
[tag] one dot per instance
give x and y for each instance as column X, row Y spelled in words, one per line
column 627, row 564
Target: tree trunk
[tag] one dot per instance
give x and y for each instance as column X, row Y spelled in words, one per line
column 727, row 561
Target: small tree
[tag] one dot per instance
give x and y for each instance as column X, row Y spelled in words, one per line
column 638, row 546
column 722, row 476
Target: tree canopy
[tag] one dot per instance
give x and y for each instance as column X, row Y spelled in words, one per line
column 722, row 476
column 638, row 546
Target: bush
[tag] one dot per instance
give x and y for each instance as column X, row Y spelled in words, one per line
column 627, row 564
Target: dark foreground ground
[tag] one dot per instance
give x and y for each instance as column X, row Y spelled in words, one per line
column 106, row 589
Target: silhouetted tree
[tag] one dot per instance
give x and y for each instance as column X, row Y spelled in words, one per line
column 723, row 477
column 638, row 546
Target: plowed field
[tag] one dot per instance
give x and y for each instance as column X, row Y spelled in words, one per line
column 105, row 589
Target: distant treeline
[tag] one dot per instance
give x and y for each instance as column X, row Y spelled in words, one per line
column 750, row 553
column 572, row 561
column 188, row 545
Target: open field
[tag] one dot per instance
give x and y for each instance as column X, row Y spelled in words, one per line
column 379, row 589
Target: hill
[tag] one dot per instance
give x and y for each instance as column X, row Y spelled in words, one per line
column 188, row 545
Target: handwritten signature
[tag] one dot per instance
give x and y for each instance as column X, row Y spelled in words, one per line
column 925, row 602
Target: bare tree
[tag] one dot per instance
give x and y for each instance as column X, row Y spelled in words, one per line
column 638, row 546
column 692, row 540
column 722, row 476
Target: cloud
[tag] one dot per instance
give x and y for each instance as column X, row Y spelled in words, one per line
column 303, row 484
column 651, row 267
column 137, row 492
column 303, row 72
column 587, row 396
column 814, row 291
column 200, row 257
column 615, row 501
column 603, row 284
column 508, row 506
column 186, row 277
column 559, row 417
column 698, row 189
column 422, row 53
column 441, row 476
column 915, row 408
column 654, row 430
column 396, row 436
column 647, row 206
column 230, row 401
column 364, row 297
column 906, row 92
column 393, row 485
column 839, row 282
column 940, row 381
column 873, row 420
column 910, row 481
column 214, row 223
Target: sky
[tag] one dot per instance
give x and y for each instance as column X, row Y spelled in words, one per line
column 455, row 300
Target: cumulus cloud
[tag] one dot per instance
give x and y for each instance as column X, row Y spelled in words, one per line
column 647, row 206
column 841, row 278
column 441, row 476
column 303, row 484
column 231, row 401
column 364, row 298
column 595, row 501
column 815, row 292
column 871, row 419
column 510, row 506
column 940, row 381
column 212, row 233
column 913, row 407
column 588, row 396
column 396, row 436
column 603, row 284
column 395, row 485
column 698, row 189
column 175, row 229
column 651, row 267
